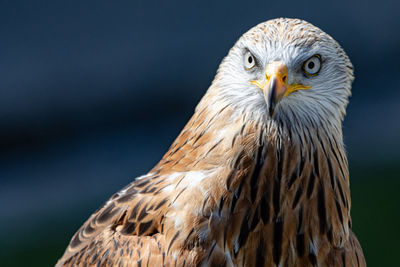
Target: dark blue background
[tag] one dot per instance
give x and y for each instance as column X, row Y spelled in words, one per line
column 92, row 93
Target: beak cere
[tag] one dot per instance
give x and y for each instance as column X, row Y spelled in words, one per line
column 275, row 87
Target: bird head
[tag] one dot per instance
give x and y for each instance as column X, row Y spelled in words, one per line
column 286, row 68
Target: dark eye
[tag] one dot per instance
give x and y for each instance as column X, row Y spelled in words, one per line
column 249, row 61
column 312, row 66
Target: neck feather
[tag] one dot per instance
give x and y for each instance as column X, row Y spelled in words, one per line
column 292, row 181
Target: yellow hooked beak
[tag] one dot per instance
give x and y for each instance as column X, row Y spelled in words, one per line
column 275, row 86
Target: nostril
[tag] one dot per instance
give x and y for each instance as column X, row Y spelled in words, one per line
column 284, row 78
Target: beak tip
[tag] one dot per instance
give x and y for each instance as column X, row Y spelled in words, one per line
column 271, row 108
column 270, row 97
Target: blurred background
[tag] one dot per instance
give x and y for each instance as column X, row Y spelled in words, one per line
column 92, row 93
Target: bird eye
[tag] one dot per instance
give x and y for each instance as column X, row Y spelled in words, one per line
column 312, row 66
column 249, row 61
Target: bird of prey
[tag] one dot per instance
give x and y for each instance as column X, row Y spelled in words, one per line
column 257, row 177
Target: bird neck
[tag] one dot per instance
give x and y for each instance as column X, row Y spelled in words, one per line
column 305, row 172
column 291, row 181
column 297, row 187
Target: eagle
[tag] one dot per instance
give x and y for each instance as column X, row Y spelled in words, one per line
column 257, row 177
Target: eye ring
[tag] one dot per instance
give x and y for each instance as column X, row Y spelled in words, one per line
column 249, row 61
column 312, row 66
